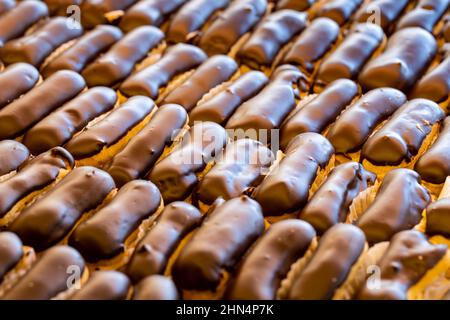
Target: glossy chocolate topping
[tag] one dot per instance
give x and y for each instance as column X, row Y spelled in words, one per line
column 156, row 287
column 438, row 218
column 381, row 12
column 61, row 7
column 12, row 155
column 16, row 80
column 446, row 30
column 94, row 11
column 104, row 285
column 299, row 5
column 425, row 15
column 10, row 252
column 338, row 10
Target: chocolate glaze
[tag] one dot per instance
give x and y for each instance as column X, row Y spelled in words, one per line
column 286, row 189
column 299, row 5
column 117, row 64
column 37, row 46
column 270, row 36
column 49, row 276
column 406, row 261
column 222, row 105
column 153, row 252
column 94, row 11
column 398, row 206
column 426, row 14
column 217, row 245
column 313, row 44
column 21, row 114
column 388, row 11
column 239, row 18
column 16, row 80
column 150, row 80
column 350, row 56
column 408, row 53
column 17, row 20
column 338, row 10
column 34, row 175
column 356, row 123
column 338, row 250
column 103, row 235
column 210, row 74
column 438, row 218
column 148, row 12
column 6, row 5
column 58, row 127
column 60, row 7
column 84, row 50
column 446, row 30
column 10, row 252
column 156, row 287
column 104, row 285
column 320, row 112
column 12, row 155
column 110, row 129
column 330, row 204
column 176, row 174
column 187, row 22
column 434, row 165
column 268, row 262
column 53, row 215
column 144, row 149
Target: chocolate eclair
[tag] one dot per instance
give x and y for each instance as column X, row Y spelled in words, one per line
column 61, row 7
column 437, row 220
column 101, row 12
column 104, row 285
column 381, row 12
column 12, row 155
column 16, row 80
column 156, row 287
column 426, row 15
column 6, row 5
column 299, row 5
column 50, row 218
column 338, row 10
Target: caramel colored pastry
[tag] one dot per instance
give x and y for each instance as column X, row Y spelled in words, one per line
column 118, row 62
column 330, row 203
column 12, row 155
column 84, row 50
column 398, row 206
column 408, row 53
column 15, row 81
column 357, row 122
column 156, row 287
column 11, row 252
column 21, row 114
column 53, row 215
column 104, row 285
column 425, row 15
column 321, row 111
column 177, row 174
column 141, row 153
column 268, row 262
column 338, row 10
column 6, row 5
column 60, row 126
column 18, row 19
column 154, row 250
column 210, row 74
column 218, row 244
column 381, row 12
column 222, row 105
column 286, row 188
column 239, row 18
column 150, row 80
column 438, row 218
column 61, row 7
column 299, row 5
column 407, row 259
column 97, row 12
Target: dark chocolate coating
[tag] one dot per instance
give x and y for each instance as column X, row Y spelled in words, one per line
column 156, row 287
column 104, row 285
column 192, row 16
column 84, row 50
column 58, row 127
column 350, row 56
column 387, row 11
column 425, row 15
column 21, row 114
column 118, row 62
column 330, row 203
column 93, row 11
column 221, row 106
column 6, row 5
column 225, row 235
column 312, row 44
column 10, row 252
column 176, row 174
column 407, row 259
column 446, row 30
column 268, row 262
column 408, row 53
column 299, row 5
column 339, row 249
column 49, row 276
column 61, row 7
column 434, row 165
column 210, row 74
column 52, row 216
column 153, row 252
column 103, row 235
column 438, row 218
column 12, row 155
column 239, row 18
column 16, row 80
column 320, row 112
column 33, row 176
column 271, row 34
column 144, row 149
column 356, row 123
column 150, row 80
column 286, row 189
column 338, row 10
column 17, row 20
column 398, row 206
column 110, row 129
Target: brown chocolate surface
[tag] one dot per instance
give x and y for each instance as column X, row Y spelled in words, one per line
column 338, row 10
column 16, row 80
column 425, row 15
column 10, row 252
column 156, row 287
column 60, row 7
column 94, row 11
column 386, row 11
column 12, row 155
column 438, row 218
column 446, row 30
column 6, row 5
column 104, row 285
column 299, row 5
